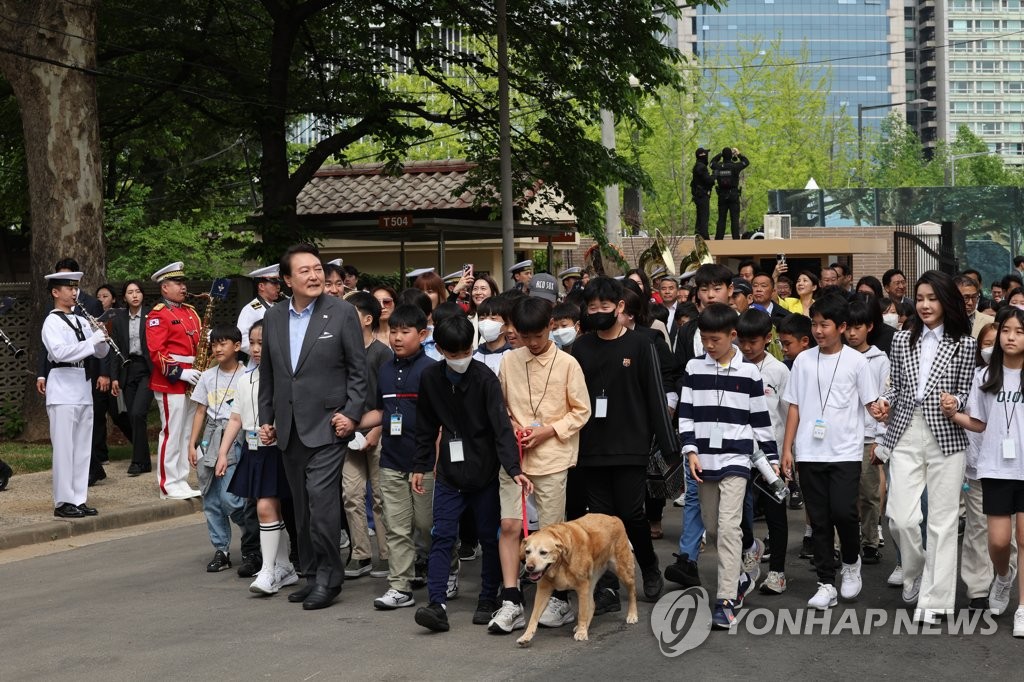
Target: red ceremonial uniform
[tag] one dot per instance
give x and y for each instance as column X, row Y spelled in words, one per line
column 171, row 331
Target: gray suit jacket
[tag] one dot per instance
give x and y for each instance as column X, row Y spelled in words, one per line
column 330, row 375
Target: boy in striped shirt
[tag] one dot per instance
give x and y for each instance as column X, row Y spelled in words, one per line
column 722, row 412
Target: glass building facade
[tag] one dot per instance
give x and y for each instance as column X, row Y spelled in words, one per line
column 860, row 43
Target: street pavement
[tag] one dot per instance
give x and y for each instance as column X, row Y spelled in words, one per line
column 143, row 607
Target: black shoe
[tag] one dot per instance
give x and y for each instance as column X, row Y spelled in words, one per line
column 221, row 562
column 5, row 474
column 870, row 555
column 420, row 578
column 978, row 604
column 807, row 548
column 86, row 510
column 796, row 498
column 432, row 617
column 300, row 594
column 138, row 469
column 468, row 552
column 653, row 583
column 250, row 566
column 485, row 608
column 68, row 511
column 320, row 597
column 683, row 571
column 606, row 600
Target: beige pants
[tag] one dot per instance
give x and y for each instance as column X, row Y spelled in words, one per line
column 548, row 496
column 869, row 500
column 405, row 512
column 721, row 508
column 360, row 467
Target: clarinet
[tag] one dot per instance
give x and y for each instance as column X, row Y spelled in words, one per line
column 101, row 328
column 6, row 340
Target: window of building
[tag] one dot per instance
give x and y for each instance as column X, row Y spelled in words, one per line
column 990, row 128
column 1014, row 87
column 961, row 108
column 959, row 25
column 959, row 66
column 985, row 25
column 986, row 66
column 988, row 108
column 961, row 87
column 1013, row 128
column 986, row 87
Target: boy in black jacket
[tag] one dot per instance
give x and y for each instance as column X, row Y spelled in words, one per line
column 627, row 413
column 461, row 398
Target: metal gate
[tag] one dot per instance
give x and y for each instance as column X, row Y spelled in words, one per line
column 919, row 248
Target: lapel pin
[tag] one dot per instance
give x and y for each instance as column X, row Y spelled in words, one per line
column 325, row 317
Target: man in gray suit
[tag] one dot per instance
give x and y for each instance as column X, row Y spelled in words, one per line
column 312, row 391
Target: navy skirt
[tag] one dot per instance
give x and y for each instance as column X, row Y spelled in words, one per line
column 260, row 473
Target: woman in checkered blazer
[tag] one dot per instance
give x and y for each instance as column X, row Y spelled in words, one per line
column 934, row 355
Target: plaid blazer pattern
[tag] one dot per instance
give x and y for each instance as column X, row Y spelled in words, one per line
column 952, row 372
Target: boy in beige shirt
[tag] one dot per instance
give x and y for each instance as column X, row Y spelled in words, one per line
column 547, row 399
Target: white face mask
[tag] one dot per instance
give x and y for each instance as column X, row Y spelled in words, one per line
column 563, row 336
column 459, row 365
column 986, row 354
column 892, row 319
column 489, row 330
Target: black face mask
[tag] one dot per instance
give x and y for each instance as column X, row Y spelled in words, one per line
column 601, row 322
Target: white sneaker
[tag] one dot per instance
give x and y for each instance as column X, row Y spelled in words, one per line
column 752, row 560
column 264, row 584
column 557, row 613
column 895, row 578
column 452, row 591
column 911, row 591
column 393, row 599
column 775, row 583
column 680, row 501
column 999, row 593
column 1018, row 622
column 824, row 598
column 507, row 618
column 850, row 581
column 344, row 542
column 285, row 575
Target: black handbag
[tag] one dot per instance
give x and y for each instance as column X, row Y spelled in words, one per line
column 665, row 477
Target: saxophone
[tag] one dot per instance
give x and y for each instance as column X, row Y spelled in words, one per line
column 203, row 349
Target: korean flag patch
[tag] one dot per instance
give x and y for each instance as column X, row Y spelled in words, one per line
column 154, row 322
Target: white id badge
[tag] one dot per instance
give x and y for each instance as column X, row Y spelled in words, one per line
column 1009, row 448
column 396, row 424
column 600, row 407
column 455, row 447
column 252, row 439
column 715, row 438
column 819, row 429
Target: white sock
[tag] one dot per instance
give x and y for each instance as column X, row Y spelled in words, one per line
column 282, row 546
column 270, row 539
column 807, row 531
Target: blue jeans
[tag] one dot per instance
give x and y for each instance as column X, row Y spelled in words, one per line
column 693, row 524
column 219, row 506
column 449, row 504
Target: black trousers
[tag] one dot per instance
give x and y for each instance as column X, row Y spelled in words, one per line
column 314, row 478
column 138, row 398
column 830, row 497
column 620, row 491
column 778, row 528
column 728, row 204
column 703, row 203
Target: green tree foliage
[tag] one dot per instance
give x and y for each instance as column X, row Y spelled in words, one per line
column 768, row 105
column 897, row 158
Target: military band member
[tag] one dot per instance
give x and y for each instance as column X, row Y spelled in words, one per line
column 172, row 333
column 268, row 291
column 522, row 273
column 69, row 340
column 570, row 278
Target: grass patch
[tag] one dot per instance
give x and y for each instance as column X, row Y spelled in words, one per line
column 27, row 458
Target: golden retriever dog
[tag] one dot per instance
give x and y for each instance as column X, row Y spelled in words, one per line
column 572, row 556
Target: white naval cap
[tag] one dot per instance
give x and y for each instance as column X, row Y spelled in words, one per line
column 59, row 279
column 659, row 271
column 453, row 277
column 172, row 271
column 570, row 272
column 521, row 265
column 337, row 262
column 413, row 274
column 269, row 272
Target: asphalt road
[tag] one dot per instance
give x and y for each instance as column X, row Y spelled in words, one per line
column 143, row 607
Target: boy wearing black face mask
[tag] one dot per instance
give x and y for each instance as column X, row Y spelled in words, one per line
column 461, row 399
column 627, row 410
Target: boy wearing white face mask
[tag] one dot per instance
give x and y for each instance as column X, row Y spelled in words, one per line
column 566, row 318
column 461, row 401
column 492, row 314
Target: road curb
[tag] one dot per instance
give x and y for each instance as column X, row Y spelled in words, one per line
column 62, row 529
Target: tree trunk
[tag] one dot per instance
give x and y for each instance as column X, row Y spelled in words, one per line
column 50, row 67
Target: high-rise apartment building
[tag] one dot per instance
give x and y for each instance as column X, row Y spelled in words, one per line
column 966, row 57
column 861, row 43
